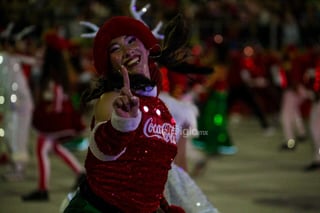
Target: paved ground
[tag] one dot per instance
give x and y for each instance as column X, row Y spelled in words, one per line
column 258, row 179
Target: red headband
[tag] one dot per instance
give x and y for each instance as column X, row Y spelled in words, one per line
column 120, row 26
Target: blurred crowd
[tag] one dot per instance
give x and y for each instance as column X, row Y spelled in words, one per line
column 229, row 28
column 274, row 24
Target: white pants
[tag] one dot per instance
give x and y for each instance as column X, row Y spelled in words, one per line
column 315, row 128
column 290, row 115
column 17, row 134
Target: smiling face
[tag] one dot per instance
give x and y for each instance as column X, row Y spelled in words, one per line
column 130, row 52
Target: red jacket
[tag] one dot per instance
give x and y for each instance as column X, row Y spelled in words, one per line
column 134, row 172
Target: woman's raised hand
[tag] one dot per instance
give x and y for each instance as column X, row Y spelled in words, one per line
column 126, row 105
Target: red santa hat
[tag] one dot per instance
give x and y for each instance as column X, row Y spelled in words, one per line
column 120, row 26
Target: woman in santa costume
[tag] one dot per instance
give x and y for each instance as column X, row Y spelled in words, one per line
column 54, row 117
column 133, row 137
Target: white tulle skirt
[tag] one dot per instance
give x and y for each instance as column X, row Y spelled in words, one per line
column 182, row 191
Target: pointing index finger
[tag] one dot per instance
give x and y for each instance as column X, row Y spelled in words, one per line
column 125, row 75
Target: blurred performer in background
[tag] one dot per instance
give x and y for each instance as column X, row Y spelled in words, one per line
column 247, row 73
column 292, row 122
column 16, row 106
column 212, row 99
column 312, row 81
column 54, row 117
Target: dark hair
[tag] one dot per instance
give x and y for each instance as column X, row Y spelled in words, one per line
column 54, row 68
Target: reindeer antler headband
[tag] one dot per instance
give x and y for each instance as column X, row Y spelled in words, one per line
column 119, row 26
column 136, row 14
column 7, row 33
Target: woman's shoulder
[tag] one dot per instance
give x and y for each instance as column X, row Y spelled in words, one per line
column 108, row 96
column 106, row 99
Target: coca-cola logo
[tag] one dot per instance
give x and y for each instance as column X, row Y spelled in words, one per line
column 165, row 131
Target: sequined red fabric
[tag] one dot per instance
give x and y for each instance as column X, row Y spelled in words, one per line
column 135, row 181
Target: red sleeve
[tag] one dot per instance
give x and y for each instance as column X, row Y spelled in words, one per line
column 111, row 141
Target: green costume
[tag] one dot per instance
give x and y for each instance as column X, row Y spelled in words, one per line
column 214, row 137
